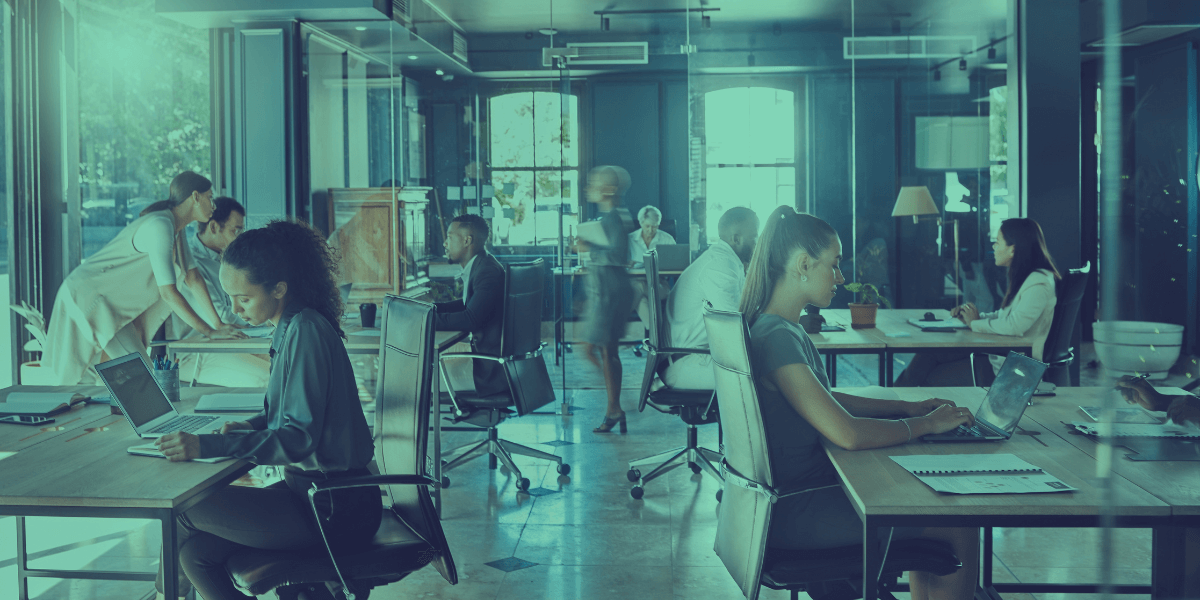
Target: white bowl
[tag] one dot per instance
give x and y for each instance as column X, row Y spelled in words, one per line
column 1138, row 347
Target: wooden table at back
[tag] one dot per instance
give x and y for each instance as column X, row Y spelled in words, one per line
column 891, row 325
column 79, row 467
column 886, row 495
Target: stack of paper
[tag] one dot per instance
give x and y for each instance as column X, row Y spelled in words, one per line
column 38, row 403
column 939, row 324
column 230, row 403
column 980, row 474
column 1165, row 430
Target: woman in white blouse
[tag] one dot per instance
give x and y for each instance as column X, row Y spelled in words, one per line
column 1027, row 310
column 640, row 242
column 113, row 303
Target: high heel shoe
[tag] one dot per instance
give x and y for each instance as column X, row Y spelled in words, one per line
column 610, row 422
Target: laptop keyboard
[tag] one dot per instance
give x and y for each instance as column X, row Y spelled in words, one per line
column 972, row 431
column 188, row 423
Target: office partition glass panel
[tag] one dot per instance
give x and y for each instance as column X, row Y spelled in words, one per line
column 6, row 192
column 144, row 107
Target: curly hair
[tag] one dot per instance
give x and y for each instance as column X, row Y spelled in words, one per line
column 294, row 252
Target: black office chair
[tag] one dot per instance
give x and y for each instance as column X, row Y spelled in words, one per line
column 410, row 535
column 744, row 518
column 1058, row 352
column 528, row 380
column 694, row 407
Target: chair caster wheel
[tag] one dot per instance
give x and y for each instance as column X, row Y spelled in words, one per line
column 694, row 467
column 445, row 482
column 719, row 494
column 633, row 475
column 523, row 484
column 564, row 469
column 637, row 492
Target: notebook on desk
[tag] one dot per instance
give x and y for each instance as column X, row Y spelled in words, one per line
column 1006, row 400
column 939, row 325
column 42, row 404
column 146, row 407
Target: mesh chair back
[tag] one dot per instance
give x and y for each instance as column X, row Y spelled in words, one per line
column 523, row 286
column 745, row 514
column 402, row 407
column 528, row 377
column 1070, row 291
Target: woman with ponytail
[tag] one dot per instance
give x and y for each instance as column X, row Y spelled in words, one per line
column 313, row 424
column 113, row 303
column 796, row 263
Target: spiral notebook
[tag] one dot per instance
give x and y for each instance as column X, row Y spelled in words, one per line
column 980, row 474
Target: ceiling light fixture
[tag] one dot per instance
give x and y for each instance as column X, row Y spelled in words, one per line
column 603, row 23
column 706, row 22
column 439, row 72
column 360, row 28
column 548, row 31
column 937, row 75
column 962, row 64
column 992, row 53
column 412, row 57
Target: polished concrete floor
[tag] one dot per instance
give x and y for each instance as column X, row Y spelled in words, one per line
column 580, row 536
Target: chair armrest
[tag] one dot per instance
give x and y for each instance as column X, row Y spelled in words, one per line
column 366, row 480
column 446, row 355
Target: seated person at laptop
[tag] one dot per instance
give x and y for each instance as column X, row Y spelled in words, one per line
column 1027, row 310
column 717, row 278
column 114, row 302
column 644, row 239
column 481, row 311
column 206, row 242
column 796, row 263
column 313, row 424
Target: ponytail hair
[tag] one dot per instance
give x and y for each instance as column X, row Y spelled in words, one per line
column 294, row 252
column 784, row 232
column 182, row 188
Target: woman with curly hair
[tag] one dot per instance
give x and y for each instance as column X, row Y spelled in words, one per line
column 313, row 424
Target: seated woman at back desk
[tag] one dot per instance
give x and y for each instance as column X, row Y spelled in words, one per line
column 1027, row 310
column 796, row 263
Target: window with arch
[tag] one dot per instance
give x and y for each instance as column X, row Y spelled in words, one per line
column 750, row 151
column 533, row 155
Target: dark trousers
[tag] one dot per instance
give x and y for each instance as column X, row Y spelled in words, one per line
column 945, row 368
column 274, row 518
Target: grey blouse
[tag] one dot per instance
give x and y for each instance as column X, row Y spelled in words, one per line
column 797, row 458
column 312, row 418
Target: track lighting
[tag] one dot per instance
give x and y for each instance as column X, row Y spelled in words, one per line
column 706, row 22
column 603, row 23
column 962, row 64
column 992, row 53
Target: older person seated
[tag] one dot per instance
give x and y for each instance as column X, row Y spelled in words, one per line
column 640, row 242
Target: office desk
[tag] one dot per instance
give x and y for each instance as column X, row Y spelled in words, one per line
column 355, row 343
column 895, row 320
column 14, row 438
column 850, row 341
column 85, row 472
column 886, row 495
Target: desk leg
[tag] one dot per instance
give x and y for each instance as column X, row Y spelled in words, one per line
column 1167, row 566
column 882, row 371
column 872, row 559
column 170, row 561
column 987, row 558
column 889, row 367
column 833, row 369
column 22, row 578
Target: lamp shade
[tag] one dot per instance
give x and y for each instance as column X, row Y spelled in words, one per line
column 913, row 201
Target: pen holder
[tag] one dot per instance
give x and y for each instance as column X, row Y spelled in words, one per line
column 168, row 380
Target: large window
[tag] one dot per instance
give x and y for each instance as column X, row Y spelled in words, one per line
column 749, row 151
column 143, row 111
column 534, row 159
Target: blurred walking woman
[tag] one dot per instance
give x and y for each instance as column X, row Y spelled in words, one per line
column 283, row 274
column 113, row 303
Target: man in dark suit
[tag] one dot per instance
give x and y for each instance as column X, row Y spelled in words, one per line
column 481, row 311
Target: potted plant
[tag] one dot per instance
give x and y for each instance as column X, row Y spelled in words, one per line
column 862, row 314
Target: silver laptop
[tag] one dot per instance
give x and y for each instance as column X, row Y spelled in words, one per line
column 146, row 407
column 673, row 257
column 1006, row 400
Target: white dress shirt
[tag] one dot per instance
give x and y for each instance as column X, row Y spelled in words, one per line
column 637, row 246
column 716, row 277
column 465, row 276
column 1030, row 314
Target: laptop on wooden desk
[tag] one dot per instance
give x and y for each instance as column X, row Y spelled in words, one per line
column 997, row 417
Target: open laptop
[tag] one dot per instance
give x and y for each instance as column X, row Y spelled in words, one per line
column 997, row 417
column 146, row 407
column 673, row 257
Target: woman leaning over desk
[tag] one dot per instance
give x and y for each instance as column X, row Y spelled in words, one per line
column 313, row 425
column 1027, row 310
column 796, row 263
column 114, row 302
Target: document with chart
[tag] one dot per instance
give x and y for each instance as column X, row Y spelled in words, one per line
column 980, row 474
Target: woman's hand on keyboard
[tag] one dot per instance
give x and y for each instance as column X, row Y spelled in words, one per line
column 924, row 407
column 945, row 418
column 179, row 446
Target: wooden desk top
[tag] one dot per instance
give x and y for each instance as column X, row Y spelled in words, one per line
column 92, row 469
column 14, row 438
column 850, row 339
column 895, row 320
column 878, row 486
column 1175, row 482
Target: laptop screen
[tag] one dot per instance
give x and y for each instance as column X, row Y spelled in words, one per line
column 131, row 383
column 1010, row 394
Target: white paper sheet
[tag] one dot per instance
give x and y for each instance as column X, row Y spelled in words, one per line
column 1166, row 430
column 926, row 464
column 1023, row 483
column 952, row 323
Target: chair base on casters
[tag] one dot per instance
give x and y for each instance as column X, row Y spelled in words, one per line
column 503, row 450
column 697, row 458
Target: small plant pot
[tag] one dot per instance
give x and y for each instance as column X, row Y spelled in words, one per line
column 862, row 316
